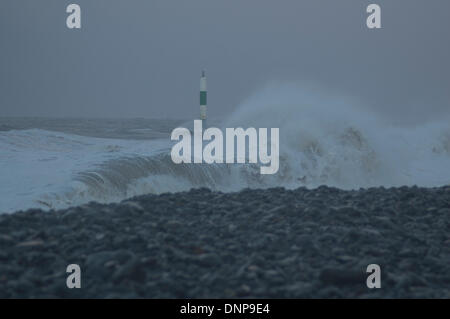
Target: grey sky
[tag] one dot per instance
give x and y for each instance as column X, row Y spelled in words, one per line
column 136, row 58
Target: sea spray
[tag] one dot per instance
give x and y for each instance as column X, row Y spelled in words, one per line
column 324, row 140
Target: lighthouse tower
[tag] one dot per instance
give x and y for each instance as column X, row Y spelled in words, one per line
column 203, row 95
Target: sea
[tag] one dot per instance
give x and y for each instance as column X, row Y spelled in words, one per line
column 54, row 163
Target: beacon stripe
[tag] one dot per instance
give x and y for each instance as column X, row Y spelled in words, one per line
column 203, row 98
column 203, row 84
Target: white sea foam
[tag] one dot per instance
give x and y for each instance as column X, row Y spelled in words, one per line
column 334, row 141
column 323, row 141
column 40, row 168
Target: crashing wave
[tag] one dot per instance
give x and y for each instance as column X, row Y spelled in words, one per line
column 323, row 141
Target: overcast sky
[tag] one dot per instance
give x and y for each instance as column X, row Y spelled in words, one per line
column 143, row 58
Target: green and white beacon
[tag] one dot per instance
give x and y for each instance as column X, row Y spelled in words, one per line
column 203, row 95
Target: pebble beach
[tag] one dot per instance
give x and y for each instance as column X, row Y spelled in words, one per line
column 272, row 243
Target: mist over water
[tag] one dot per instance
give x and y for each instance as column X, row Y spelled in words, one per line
column 324, row 140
